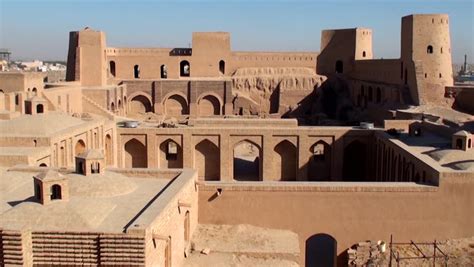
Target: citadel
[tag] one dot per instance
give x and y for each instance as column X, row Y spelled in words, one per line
column 140, row 149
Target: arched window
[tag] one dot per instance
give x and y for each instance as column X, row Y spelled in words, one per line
column 185, row 68
column 371, row 94
column 43, row 165
column 39, row 108
column 441, row 50
column 17, row 100
column 429, row 49
column 379, row 95
column 136, row 72
column 56, row 192
column 163, row 72
column 469, row 143
column 459, row 143
column 339, row 66
column 34, row 90
column 440, row 75
column 363, row 54
column 112, row 68
column 222, row 67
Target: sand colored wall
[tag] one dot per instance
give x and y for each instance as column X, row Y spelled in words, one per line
column 178, row 201
column 435, row 68
column 66, row 99
column 225, row 139
column 345, row 45
column 21, row 81
column 347, row 213
column 86, row 58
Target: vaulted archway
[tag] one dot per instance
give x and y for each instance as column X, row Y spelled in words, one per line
column 139, row 104
column 285, row 161
column 319, row 165
column 207, row 160
column 176, row 105
column 355, row 161
column 209, row 105
column 135, row 154
column 171, row 155
column 80, row 147
column 247, row 161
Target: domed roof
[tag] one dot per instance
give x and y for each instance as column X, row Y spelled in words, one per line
column 108, row 184
column 50, row 175
column 36, row 98
column 91, row 154
column 462, row 133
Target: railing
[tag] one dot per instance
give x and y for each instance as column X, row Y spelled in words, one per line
column 437, row 253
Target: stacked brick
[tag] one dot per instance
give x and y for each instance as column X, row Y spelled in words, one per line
column 11, row 248
column 87, row 249
column 368, row 253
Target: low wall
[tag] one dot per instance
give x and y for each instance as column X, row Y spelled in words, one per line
column 348, row 213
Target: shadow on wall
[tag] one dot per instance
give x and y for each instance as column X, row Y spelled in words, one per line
column 329, row 102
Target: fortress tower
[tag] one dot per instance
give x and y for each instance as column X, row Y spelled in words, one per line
column 340, row 48
column 86, row 60
column 426, row 54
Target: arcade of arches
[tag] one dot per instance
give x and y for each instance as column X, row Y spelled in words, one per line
column 224, row 155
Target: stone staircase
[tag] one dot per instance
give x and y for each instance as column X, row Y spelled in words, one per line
column 91, row 106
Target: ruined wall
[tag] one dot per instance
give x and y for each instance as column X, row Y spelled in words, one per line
column 342, row 47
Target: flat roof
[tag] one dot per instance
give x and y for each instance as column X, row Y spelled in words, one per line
column 106, row 202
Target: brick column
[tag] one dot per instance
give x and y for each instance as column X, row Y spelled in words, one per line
column 267, row 158
column 226, row 158
column 303, row 157
column 152, row 155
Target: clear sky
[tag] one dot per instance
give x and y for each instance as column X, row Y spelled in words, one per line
column 39, row 29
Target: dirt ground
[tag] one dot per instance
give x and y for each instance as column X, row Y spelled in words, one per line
column 460, row 253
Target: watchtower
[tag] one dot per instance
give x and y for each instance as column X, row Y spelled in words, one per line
column 426, row 62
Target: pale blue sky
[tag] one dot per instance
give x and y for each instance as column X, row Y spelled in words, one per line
column 39, row 29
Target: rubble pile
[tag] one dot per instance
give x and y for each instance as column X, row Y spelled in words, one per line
column 368, row 253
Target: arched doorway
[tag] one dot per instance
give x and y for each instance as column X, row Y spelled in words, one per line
column 207, row 160
column 321, row 251
column 56, row 192
column 163, row 72
column 39, row 108
column 108, row 150
column 378, row 97
column 139, row 104
column 287, row 161
column 319, row 167
column 247, row 157
column 209, row 106
column 171, row 155
column 135, row 154
column 339, row 66
column 112, row 68
column 184, row 69
column 80, row 147
column 176, row 105
column 222, row 67
column 355, row 161
column 43, row 165
column 136, row 72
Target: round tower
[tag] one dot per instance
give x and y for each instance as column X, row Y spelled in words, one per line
column 426, row 45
